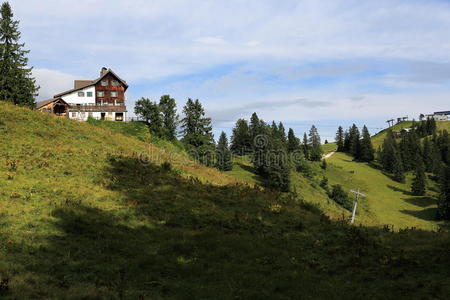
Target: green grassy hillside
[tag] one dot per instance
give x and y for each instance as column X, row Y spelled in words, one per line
column 87, row 213
column 387, row 202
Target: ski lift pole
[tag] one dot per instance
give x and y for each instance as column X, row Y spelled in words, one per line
column 357, row 194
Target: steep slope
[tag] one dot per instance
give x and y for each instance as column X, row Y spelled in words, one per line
column 86, row 213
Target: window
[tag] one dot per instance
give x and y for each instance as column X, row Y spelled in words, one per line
column 89, row 94
column 100, row 94
column 104, row 82
column 80, row 94
column 114, row 94
column 74, row 115
column 91, row 115
column 115, row 83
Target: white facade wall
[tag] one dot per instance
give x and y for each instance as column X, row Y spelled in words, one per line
column 83, row 116
column 74, row 98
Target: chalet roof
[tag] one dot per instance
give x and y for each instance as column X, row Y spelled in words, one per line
column 39, row 104
column 81, row 84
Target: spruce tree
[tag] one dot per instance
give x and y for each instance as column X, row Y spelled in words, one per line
column 197, row 132
column 314, row 145
column 223, row 154
column 293, row 142
column 149, row 111
column 241, row 140
column 282, row 134
column 340, row 139
column 16, row 82
column 346, row 142
column 305, row 146
column 388, row 152
column 398, row 170
column 444, row 196
column 168, row 110
column 428, row 155
column 418, row 184
column 367, row 153
column 255, row 128
column 354, row 140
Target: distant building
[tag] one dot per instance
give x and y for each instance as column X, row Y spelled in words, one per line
column 102, row 98
column 439, row 116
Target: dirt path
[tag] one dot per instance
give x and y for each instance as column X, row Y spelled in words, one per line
column 329, row 154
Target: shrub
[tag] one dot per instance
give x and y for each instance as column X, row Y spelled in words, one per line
column 340, row 196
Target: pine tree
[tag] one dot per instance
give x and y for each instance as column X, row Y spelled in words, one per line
column 256, row 127
column 16, row 82
column 149, row 111
column 197, row 132
column 346, row 142
column 354, row 140
column 418, row 184
column 428, row 155
column 223, row 154
column 314, row 145
column 390, row 158
column 398, row 170
column 241, row 141
column 168, row 110
column 444, row 197
column 293, row 143
column 305, row 146
column 367, row 153
column 340, row 139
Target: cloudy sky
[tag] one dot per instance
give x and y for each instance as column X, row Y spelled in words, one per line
column 300, row 62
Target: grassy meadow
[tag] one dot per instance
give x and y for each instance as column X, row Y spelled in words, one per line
column 388, row 201
column 90, row 213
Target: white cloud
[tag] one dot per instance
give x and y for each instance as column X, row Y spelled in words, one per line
column 396, row 53
column 210, row 40
column 52, row 82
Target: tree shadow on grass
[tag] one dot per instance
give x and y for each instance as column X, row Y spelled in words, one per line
column 421, row 201
column 397, row 189
column 177, row 238
column 252, row 170
column 427, row 214
column 171, row 237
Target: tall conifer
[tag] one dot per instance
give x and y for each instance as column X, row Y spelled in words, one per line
column 17, row 84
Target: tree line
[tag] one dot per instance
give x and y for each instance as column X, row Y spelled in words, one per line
column 357, row 144
column 273, row 152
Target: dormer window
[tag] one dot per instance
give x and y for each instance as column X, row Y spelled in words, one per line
column 115, row 83
column 80, row 94
column 104, row 83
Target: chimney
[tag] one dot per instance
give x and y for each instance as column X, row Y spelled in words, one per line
column 103, row 71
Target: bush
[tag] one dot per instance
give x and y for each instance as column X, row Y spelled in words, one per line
column 324, row 183
column 340, row 196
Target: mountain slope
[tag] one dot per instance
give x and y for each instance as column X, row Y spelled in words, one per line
column 84, row 216
column 388, row 202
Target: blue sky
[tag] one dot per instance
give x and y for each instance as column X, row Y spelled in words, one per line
column 300, row 62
